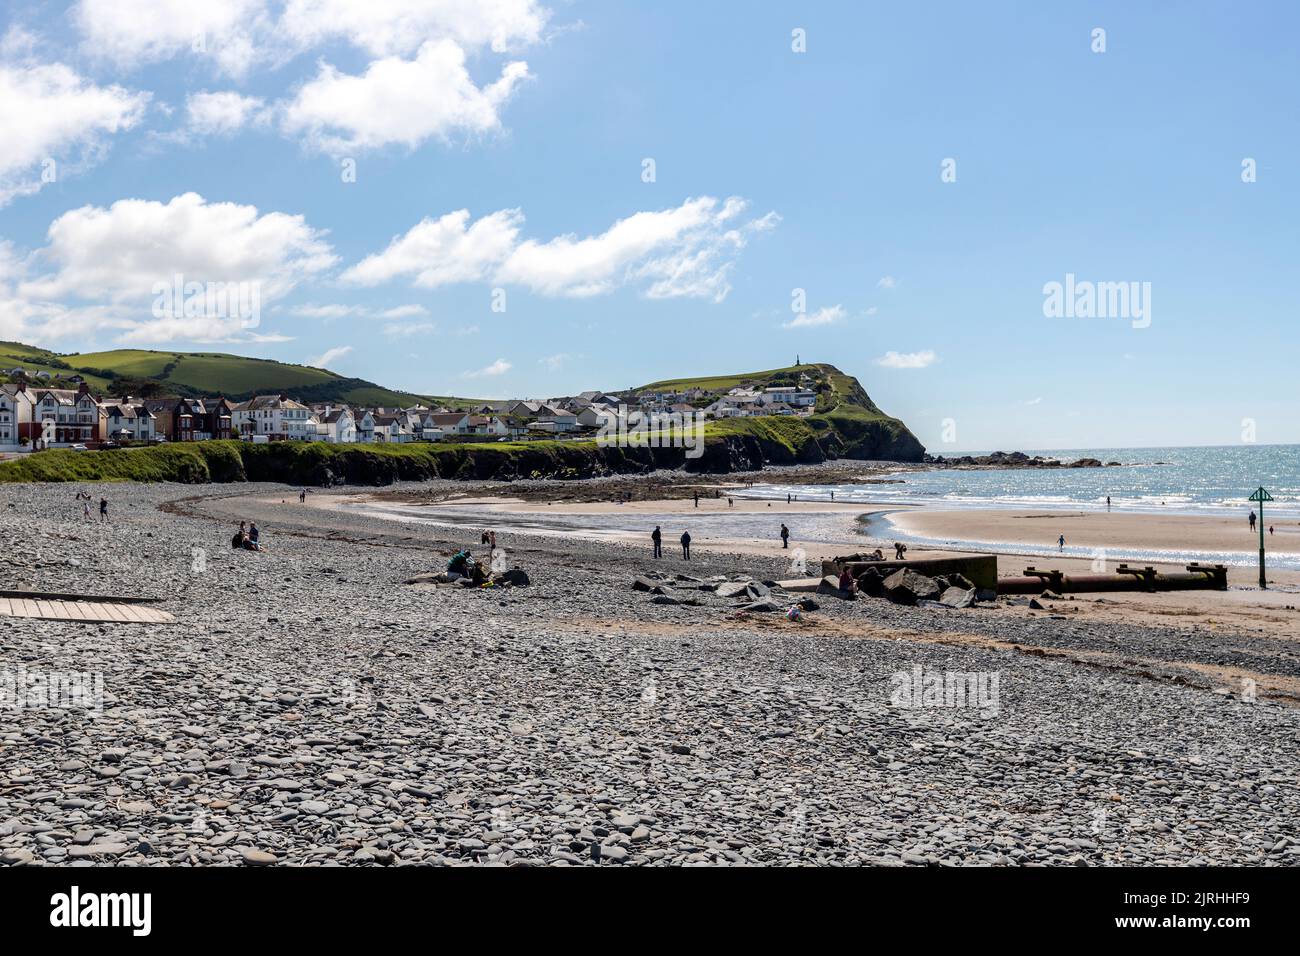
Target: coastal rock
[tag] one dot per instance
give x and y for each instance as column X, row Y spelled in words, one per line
column 906, row 586
column 958, row 597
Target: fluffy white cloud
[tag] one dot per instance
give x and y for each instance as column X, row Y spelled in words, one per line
column 499, row 367
column 398, row 101
column 441, row 251
column 118, row 258
column 130, row 32
column 907, row 359
column 685, row 251
column 222, row 113
column 49, row 112
column 330, row 356
column 811, row 320
column 886, row 282
column 384, row 27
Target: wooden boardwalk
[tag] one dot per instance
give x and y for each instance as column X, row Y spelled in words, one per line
column 89, row 611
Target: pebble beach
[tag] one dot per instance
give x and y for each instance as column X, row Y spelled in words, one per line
column 308, row 707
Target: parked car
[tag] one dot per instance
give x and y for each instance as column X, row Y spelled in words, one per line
column 80, row 447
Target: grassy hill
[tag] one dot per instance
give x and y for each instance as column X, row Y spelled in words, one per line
column 847, row 423
column 199, row 374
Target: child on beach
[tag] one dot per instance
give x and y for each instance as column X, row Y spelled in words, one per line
column 1060, row 543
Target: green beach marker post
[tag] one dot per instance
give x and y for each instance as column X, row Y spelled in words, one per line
column 1261, row 496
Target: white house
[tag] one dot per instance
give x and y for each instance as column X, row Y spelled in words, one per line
column 15, row 413
column 337, row 426
column 366, row 427
column 788, row 394
column 129, row 419
column 277, row 417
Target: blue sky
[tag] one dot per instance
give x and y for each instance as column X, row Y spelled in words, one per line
column 775, row 171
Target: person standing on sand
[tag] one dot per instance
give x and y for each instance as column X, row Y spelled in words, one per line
column 832, row 496
column 1060, row 542
column 1270, row 531
column 1108, row 502
column 103, row 509
column 85, row 509
column 697, row 499
column 787, row 497
column 1252, row 520
column 785, row 536
column 686, row 545
column 657, row 537
column 302, row 497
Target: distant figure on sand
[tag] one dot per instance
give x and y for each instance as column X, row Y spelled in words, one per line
column 1252, row 520
column 785, row 536
column 697, row 499
column 1270, row 530
column 85, row 510
column 686, row 545
column 302, row 497
column 1108, row 502
column 658, row 538
column 900, row 551
column 103, row 509
column 787, row 498
column 1060, row 542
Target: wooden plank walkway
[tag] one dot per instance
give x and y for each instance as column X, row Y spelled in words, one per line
column 89, row 612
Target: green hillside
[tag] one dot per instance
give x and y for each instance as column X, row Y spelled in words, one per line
column 846, row 424
column 199, row 374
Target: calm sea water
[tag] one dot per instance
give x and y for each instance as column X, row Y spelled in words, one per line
column 1207, row 480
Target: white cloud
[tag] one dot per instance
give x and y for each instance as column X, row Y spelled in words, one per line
column 330, row 356
column 403, row 312
column 872, row 310
column 687, row 251
column 113, row 258
column 825, row 316
column 441, row 251
column 886, row 282
column 554, row 362
column 400, row 26
column 404, row 330
column 1034, row 401
column 327, row 312
column 398, row 101
column 499, row 367
column 907, row 359
column 223, row 113
column 49, row 112
column 135, row 32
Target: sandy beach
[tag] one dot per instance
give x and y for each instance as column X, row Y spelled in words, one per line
column 932, row 533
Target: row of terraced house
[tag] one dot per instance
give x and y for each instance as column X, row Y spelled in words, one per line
column 39, row 417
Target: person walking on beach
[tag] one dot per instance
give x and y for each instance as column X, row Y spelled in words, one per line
column 1060, row 542
column 103, row 509
column 302, row 497
column 785, row 536
column 697, row 499
column 1108, row 502
column 832, row 496
column 1252, row 520
column 686, row 545
column 657, row 537
column 787, row 497
column 85, row 509
column 1270, row 531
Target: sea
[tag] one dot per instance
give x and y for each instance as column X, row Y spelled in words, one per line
column 1190, row 481
column 1194, row 481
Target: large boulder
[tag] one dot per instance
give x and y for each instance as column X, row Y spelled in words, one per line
column 872, row 582
column 957, row 597
column 906, row 586
column 515, row 577
column 643, row 584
